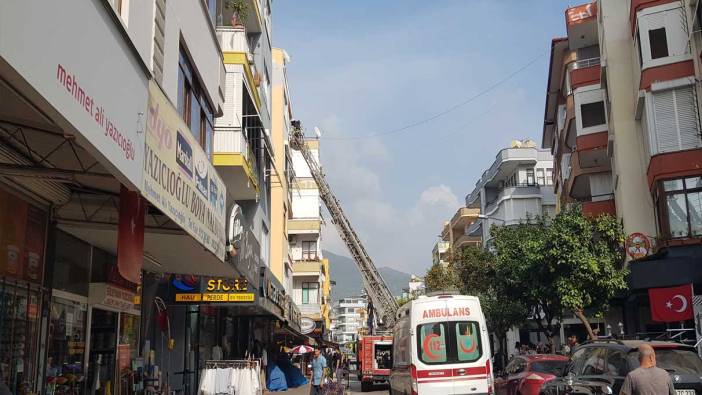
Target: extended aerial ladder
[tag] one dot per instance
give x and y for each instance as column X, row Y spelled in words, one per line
column 381, row 297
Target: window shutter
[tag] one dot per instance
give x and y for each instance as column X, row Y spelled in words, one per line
column 666, row 123
column 688, row 123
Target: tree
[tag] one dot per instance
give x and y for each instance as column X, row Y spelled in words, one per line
column 441, row 278
column 587, row 257
column 478, row 272
column 569, row 262
column 520, row 254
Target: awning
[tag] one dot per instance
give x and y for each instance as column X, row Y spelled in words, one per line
column 673, row 266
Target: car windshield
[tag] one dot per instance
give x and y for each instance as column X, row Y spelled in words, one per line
column 680, row 361
column 555, row 368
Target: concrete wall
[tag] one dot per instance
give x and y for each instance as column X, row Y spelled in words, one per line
column 632, row 197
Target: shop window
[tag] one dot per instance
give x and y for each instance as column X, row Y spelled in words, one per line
column 679, row 204
column 592, row 114
column 72, row 264
column 66, row 346
column 659, row 43
column 310, row 293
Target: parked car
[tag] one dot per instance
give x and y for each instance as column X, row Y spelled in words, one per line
column 525, row 375
column 600, row 367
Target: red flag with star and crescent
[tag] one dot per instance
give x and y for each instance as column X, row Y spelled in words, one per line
column 672, row 304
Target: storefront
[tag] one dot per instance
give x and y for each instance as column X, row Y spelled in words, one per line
column 93, row 321
column 22, row 296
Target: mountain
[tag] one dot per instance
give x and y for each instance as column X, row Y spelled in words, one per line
column 348, row 280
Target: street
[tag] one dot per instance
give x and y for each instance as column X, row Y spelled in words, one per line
column 354, row 389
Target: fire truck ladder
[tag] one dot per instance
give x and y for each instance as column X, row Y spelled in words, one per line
column 379, row 293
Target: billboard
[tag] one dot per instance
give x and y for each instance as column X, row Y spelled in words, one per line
column 179, row 178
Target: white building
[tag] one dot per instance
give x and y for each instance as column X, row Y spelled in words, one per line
column 440, row 253
column 349, row 316
column 518, row 185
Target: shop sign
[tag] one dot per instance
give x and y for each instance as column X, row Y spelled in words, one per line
column 110, row 296
column 307, row 325
column 637, row 245
column 101, row 93
column 191, row 289
column 179, row 178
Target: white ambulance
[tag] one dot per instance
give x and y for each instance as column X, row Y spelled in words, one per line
column 441, row 346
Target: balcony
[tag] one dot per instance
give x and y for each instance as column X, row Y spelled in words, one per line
column 581, row 23
column 584, row 72
column 462, row 218
column 235, row 163
column 237, row 50
column 304, row 226
column 466, row 240
column 307, row 268
column 597, row 208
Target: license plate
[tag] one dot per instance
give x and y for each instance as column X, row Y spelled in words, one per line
column 685, row 392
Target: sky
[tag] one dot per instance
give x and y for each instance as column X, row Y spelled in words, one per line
column 362, row 71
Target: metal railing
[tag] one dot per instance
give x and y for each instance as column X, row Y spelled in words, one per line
column 584, row 63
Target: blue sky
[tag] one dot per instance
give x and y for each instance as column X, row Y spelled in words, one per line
column 360, row 68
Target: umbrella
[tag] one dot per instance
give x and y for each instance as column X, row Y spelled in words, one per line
column 302, row 349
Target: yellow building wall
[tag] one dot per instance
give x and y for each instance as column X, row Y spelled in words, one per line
column 326, row 287
column 279, row 188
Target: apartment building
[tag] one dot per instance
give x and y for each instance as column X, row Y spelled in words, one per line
column 515, row 187
column 311, row 279
column 349, row 317
column 453, row 234
column 439, row 254
column 622, row 122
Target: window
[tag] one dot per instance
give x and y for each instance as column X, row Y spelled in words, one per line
column 432, row 343
column 593, row 114
column 540, row 177
column 192, row 104
column 675, row 123
column 549, row 176
column 449, row 342
column 616, row 363
column 659, row 43
column 680, row 207
column 309, row 250
column 310, row 293
column 595, row 363
column 530, row 176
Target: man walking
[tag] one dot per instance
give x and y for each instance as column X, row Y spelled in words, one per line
column 647, row 379
column 318, row 365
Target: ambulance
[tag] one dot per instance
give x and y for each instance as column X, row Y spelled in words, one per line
column 441, row 346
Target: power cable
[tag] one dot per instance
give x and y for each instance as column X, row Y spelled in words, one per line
column 448, row 110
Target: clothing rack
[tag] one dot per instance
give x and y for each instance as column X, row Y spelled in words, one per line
column 233, row 363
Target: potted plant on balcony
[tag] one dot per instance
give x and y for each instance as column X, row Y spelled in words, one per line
column 240, row 11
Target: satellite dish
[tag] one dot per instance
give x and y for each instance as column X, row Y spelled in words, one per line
column 317, row 132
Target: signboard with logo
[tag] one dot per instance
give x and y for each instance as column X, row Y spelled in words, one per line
column 637, row 245
column 101, row 92
column 179, row 178
column 108, row 295
column 191, row 289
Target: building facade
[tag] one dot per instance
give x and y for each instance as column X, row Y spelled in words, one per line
column 439, row 254
column 517, row 186
column 622, row 121
column 349, row 318
column 453, row 234
column 311, row 278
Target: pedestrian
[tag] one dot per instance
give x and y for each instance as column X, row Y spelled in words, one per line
column 572, row 344
column 318, row 365
column 647, row 379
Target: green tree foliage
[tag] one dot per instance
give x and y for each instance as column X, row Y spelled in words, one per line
column 440, row 278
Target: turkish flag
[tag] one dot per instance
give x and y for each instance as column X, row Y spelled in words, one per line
column 672, row 304
column 130, row 235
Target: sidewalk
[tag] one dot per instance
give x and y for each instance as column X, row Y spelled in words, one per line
column 303, row 390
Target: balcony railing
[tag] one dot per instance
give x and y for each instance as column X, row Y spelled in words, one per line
column 233, row 141
column 310, row 308
column 233, row 39
column 507, row 192
column 506, row 154
column 584, row 63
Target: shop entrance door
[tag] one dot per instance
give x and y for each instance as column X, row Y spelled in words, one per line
column 103, row 351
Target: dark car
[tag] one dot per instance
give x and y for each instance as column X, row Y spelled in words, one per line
column 525, row 374
column 600, row 367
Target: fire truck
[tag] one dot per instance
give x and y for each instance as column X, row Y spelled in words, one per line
column 374, row 356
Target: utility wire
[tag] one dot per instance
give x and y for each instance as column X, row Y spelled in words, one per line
column 448, row 110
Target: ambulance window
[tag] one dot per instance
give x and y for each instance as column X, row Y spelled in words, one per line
column 468, row 347
column 432, row 343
